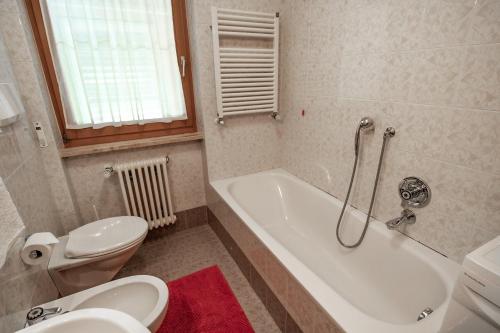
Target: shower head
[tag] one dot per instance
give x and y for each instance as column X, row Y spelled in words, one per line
column 366, row 123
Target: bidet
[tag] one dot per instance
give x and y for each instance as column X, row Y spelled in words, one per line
column 143, row 297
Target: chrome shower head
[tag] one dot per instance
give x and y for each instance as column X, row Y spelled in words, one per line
column 366, row 123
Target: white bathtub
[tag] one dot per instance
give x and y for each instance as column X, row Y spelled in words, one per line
column 381, row 286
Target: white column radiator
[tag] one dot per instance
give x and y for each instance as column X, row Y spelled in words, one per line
column 146, row 191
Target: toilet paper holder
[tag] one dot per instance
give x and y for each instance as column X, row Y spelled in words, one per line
column 35, row 254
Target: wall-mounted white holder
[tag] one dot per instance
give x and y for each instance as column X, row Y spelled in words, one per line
column 40, row 134
column 10, row 105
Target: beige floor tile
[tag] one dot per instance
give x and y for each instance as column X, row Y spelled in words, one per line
column 190, row 250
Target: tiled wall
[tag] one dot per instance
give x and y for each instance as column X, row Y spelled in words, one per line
column 25, row 67
column 245, row 144
column 428, row 68
column 22, row 169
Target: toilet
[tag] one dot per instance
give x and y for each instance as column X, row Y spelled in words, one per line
column 94, row 253
column 143, row 297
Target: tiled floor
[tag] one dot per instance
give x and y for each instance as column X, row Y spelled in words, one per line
column 175, row 255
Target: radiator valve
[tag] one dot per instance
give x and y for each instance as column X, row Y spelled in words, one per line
column 108, row 171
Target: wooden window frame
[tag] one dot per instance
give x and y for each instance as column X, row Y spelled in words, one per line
column 90, row 136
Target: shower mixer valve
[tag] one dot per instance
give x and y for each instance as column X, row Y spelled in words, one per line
column 414, row 192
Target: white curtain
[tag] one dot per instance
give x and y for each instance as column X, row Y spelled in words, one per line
column 116, row 61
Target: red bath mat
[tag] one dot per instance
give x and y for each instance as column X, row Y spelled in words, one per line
column 203, row 302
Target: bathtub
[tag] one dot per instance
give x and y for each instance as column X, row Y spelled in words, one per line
column 381, row 286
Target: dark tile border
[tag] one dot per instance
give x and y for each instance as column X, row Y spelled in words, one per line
column 280, row 315
column 186, row 219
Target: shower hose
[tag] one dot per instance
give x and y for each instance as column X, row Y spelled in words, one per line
column 389, row 132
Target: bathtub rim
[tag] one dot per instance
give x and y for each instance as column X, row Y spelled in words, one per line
column 347, row 315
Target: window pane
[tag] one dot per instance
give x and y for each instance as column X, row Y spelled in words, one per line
column 116, row 61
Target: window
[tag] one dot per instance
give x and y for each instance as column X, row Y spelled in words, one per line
column 116, row 70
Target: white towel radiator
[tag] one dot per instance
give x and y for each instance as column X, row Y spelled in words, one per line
column 246, row 78
column 146, row 191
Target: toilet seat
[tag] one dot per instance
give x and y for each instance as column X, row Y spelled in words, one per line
column 105, row 236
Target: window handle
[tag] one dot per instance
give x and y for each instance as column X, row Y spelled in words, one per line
column 183, row 65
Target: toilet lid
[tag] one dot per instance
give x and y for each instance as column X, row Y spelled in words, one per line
column 105, row 236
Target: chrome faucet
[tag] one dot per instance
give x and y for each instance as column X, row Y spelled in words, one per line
column 414, row 192
column 37, row 314
column 407, row 217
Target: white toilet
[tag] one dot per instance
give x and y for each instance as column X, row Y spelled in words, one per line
column 143, row 297
column 94, row 253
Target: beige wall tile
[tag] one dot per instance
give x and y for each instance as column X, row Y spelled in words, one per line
column 486, row 22
column 364, row 26
column 323, row 323
column 404, row 24
column 489, row 220
column 397, row 76
column 277, row 277
column 301, row 306
column 361, row 75
column 436, row 75
column 478, row 85
column 446, row 22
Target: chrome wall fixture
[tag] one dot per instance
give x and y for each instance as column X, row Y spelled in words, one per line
column 38, row 314
column 414, row 192
column 407, row 217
